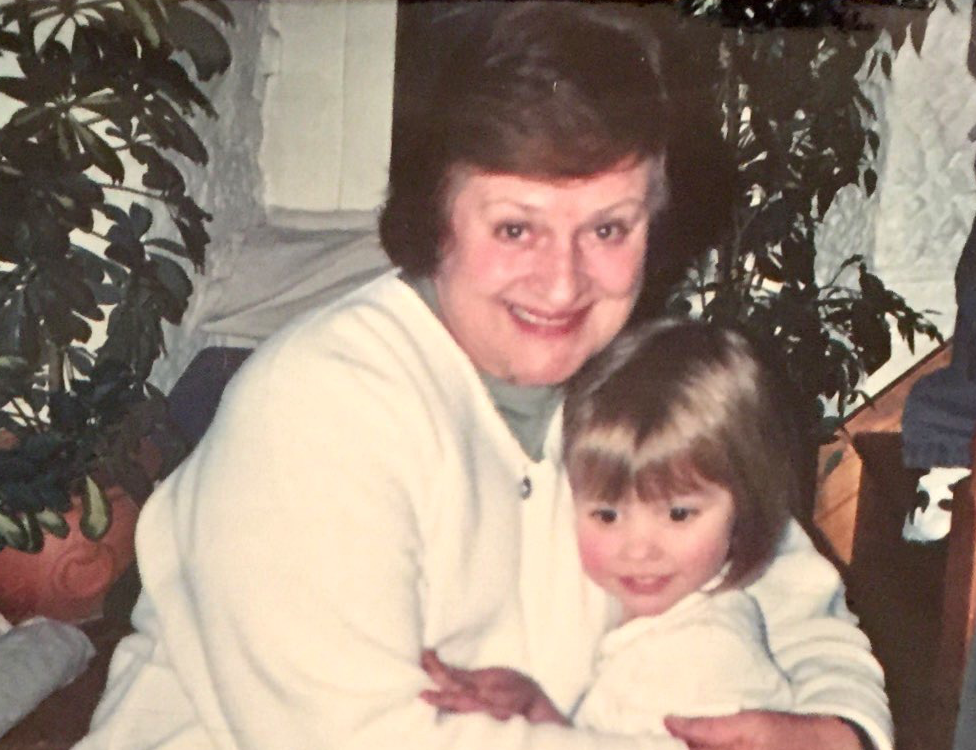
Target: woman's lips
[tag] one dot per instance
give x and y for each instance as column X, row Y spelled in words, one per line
column 645, row 585
column 547, row 324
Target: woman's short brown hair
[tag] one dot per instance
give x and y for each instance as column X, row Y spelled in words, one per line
column 548, row 89
column 674, row 403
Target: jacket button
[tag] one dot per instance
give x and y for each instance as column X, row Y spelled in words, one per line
column 525, row 488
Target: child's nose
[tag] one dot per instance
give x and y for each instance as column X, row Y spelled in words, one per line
column 642, row 544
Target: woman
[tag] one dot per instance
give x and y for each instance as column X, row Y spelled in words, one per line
column 384, row 476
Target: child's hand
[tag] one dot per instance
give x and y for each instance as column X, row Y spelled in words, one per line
column 502, row 693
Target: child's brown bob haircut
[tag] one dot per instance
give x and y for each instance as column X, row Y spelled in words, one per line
column 673, row 403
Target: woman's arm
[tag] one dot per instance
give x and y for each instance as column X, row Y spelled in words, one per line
column 765, row 730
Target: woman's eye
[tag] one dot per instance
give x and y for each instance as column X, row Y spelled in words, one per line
column 677, row 513
column 512, row 231
column 605, row 515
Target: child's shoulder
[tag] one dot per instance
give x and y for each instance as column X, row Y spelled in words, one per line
column 720, row 633
column 733, row 612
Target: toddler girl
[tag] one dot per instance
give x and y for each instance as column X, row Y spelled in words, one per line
column 683, row 471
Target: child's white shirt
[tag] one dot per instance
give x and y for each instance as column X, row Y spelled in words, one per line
column 706, row 656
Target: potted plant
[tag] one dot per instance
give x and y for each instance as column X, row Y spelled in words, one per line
column 96, row 228
column 779, row 155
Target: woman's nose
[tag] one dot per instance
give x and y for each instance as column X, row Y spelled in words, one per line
column 560, row 272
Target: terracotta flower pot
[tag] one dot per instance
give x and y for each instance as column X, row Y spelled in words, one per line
column 69, row 578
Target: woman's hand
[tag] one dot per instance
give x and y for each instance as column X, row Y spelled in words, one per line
column 765, row 730
column 502, row 693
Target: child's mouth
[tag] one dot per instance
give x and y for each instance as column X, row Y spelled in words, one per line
column 645, row 585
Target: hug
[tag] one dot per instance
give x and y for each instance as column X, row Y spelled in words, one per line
column 494, row 492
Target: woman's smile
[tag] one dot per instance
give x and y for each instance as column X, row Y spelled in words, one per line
column 540, row 323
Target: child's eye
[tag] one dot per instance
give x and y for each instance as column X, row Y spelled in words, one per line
column 679, row 513
column 511, row 231
column 605, row 515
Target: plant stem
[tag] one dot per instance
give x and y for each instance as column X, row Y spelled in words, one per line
column 135, row 191
column 55, row 368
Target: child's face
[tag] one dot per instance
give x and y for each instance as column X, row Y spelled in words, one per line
column 650, row 555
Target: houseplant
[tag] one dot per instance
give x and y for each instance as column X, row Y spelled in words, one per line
column 781, row 125
column 783, row 153
column 95, row 228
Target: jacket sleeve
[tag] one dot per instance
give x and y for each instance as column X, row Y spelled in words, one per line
column 305, row 569
column 816, row 640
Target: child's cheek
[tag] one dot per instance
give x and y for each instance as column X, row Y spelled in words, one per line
column 593, row 555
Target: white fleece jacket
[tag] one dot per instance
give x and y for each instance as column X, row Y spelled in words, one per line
column 706, row 656
column 358, row 499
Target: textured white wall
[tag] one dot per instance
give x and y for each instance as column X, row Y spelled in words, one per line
column 329, row 104
column 304, row 129
column 231, row 186
column 913, row 228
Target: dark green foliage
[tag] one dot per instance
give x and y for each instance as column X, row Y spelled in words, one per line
column 791, row 118
column 769, row 14
column 99, row 79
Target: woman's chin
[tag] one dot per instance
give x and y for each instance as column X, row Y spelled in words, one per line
column 544, row 374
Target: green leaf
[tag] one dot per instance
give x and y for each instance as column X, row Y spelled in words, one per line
column 96, row 512
column 53, row 523
column 80, row 359
column 101, row 153
column 35, row 535
column 23, row 90
column 886, row 64
column 870, row 181
column 219, row 9
column 874, row 291
column 28, row 121
column 144, row 19
column 108, row 294
column 171, row 130
column 172, row 277
column 916, row 30
column 197, row 36
column 160, row 173
column 768, row 267
column 11, row 532
column 166, row 244
column 79, row 296
column 142, row 218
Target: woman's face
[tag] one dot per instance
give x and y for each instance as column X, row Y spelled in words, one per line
column 537, row 276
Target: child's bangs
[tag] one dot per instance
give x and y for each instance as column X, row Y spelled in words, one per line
column 601, row 465
column 662, row 480
column 606, row 464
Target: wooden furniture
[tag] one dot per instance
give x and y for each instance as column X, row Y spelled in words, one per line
column 916, row 602
column 837, row 496
column 958, row 609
